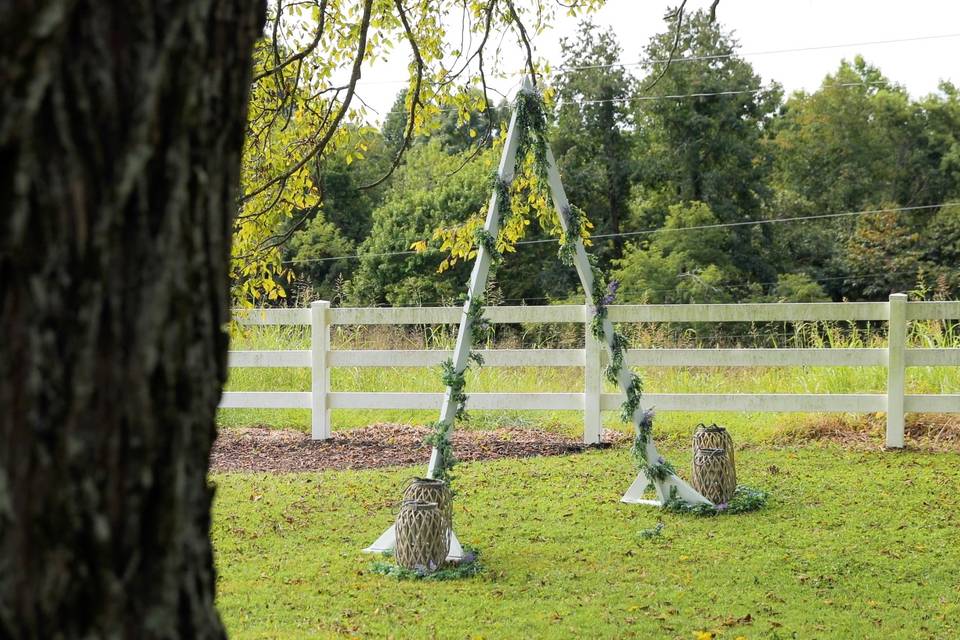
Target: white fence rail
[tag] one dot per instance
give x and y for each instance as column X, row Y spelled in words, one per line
column 320, row 359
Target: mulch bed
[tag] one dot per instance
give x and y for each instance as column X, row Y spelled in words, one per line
column 380, row 445
column 385, row 445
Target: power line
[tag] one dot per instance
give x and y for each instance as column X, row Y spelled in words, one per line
column 626, row 234
column 734, row 287
column 721, row 56
column 703, row 58
column 728, row 287
column 723, row 93
column 821, row 216
column 718, row 56
column 704, row 94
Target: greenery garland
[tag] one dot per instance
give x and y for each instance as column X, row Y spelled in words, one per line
column 466, row 568
column 439, row 439
column 602, row 295
column 744, row 499
column 649, row 534
column 575, row 221
column 502, row 188
column 456, row 382
column 531, row 121
column 480, row 328
column 485, row 239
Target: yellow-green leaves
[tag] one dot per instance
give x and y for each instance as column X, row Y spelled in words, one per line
column 301, row 83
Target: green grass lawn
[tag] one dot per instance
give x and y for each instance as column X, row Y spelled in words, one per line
column 852, row 545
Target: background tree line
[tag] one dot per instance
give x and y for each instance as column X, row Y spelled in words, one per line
column 647, row 165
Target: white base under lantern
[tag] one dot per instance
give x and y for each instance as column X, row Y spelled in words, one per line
column 683, row 491
column 388, row 541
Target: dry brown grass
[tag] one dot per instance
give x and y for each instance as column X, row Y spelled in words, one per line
column 923, row 431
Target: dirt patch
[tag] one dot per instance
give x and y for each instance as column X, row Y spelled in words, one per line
column 379, row 445
column 922, row 431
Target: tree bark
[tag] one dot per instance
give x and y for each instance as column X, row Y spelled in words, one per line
column 121, row 128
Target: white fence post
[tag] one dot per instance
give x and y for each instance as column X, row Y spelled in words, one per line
column 896, row 368
column 320, row 374
column 592, row 382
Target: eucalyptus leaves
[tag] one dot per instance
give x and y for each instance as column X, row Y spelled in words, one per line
column 602, row 295
column 439, row 438
column 456, row 383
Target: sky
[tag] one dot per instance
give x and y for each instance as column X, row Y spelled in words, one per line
column 760, row 26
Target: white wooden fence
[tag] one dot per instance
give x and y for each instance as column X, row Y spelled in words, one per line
column 321, row 358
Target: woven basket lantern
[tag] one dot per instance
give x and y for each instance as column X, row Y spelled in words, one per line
column 714, row 437
column 712, row 475
column 422, row 542
column 436, row 491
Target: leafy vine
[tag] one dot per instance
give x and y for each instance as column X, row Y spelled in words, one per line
column 480, row 328
column 466, row 568
column 602, row 295
column 456, row 383
column 532, row 132
column 439, row 439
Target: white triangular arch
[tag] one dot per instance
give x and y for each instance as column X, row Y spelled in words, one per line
column 671, row 485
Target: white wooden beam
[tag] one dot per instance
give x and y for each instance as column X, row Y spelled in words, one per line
column 558, row 401
column 933, row 357
column 265, row 400
column 477, row 284
column 749, row 312
column 433, row 357
column 757, row 357
column 275, row 358
column 756, row 402
column 272, row 316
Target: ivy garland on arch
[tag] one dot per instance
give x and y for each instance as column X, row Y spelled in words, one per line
column 480, row 327
column 532, row 122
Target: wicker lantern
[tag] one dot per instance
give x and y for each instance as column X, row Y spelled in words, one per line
column 422, row 541
column 712, row 475
column 715, row 437
column 436, row 491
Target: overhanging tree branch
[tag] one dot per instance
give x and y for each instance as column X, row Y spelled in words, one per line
column 344, row 106
column 678, row 17
column 414, row 99
column 525, row 40
column 300, row 55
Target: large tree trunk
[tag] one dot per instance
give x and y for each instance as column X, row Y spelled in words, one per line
column 121, row 127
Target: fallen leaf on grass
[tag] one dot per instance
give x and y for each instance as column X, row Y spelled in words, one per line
column 733, row 622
